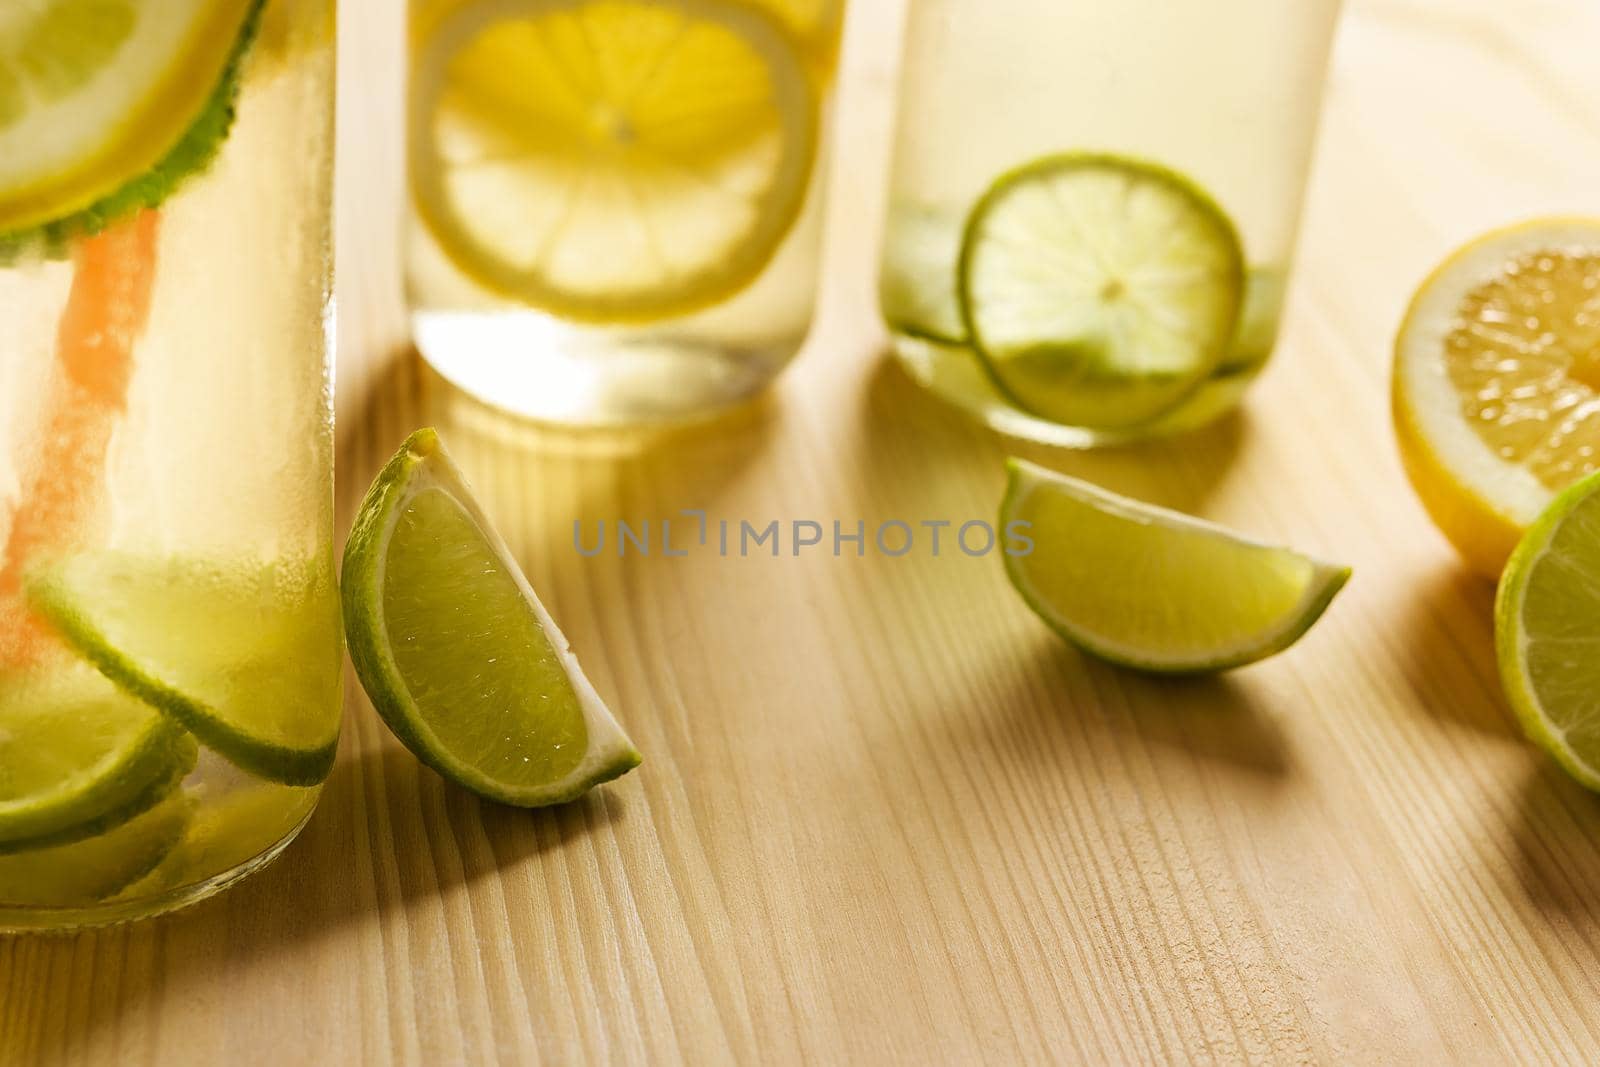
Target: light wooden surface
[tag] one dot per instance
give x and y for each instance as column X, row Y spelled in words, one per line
column 884, row 816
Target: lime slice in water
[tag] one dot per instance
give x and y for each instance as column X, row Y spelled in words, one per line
column 92, row 870
column 457, row 653
column 106, row 104
column 1547, row 631
column 247, row 656
column 1100, row 292
column 1152, row 589
column 917, row 285
column 78, row 756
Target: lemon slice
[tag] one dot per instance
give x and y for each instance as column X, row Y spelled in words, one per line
column 611, row 160
column 1547, row 631
column 1100, row 291
column 95, row 94
column 1152, row 589
column 1497, row 382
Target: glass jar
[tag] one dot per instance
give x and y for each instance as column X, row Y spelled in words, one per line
column 616, row 204
column 170, row 667
column 1094, row 206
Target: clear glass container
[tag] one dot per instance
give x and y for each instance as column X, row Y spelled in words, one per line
column 1212, row 107
column 170, row 666
column 616, row 204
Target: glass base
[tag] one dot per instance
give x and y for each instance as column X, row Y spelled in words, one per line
column 952, row 373
column 538, row 368
column 35, row 920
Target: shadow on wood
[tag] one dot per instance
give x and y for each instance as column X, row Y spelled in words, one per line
column 1445, row 643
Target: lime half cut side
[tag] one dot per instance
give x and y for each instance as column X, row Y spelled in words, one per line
column 1099, row 291
column 611, row 160
column 1153, row 589
column 458, row 654
column 1547, row 631
column 245, row 655
column 77, row 755
column 105, row 104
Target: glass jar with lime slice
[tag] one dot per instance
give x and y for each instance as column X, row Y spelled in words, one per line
column 1094, row 205
column 169, row 622
column 615, row 203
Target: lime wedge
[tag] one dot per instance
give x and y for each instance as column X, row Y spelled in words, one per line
column 457, row 653
column 92, row 870
column 1151, row 589
column 1547, row 631
column 247, row 656
column 105, row 105
column 1099, row 291
column 611, row 160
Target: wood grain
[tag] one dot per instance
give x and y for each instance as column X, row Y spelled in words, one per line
column 884, row 815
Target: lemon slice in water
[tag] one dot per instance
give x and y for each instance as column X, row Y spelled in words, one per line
column 611, row 160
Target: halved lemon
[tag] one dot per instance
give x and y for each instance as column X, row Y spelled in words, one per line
column 96, row 94
column 611, row 160
column 1497, row 382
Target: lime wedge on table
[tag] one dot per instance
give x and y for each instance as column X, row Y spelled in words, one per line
column 1547, row 631
column 457, row 653
column 92, row 870
column 247, row 655
column 1099, row 291
column 611, row 160
column 106, row 104
column 78, row 756
column 1153, row 589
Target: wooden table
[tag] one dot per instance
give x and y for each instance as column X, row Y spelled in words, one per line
column 885, row 816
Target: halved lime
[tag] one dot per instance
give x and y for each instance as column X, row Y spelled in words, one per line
column 106, row 104
column 246, row 655
column 611, row 160
column 90, row 871
column 1547, row 631
column 73, row 750
column 1100, row 291
column 457, row 653
column 1152, row 589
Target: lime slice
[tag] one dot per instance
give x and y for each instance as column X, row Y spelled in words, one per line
column 92, row 870
column 78, row 757
column 105, row 105
column 1099, row 291
column 1547, row 630
column 1152, row 589
column 457, row 653
column 917, row 285
column 611, row 160
column 226, row 833
column 247, row 656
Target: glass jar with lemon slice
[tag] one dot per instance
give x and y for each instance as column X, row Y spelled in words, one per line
column 615, row 203
column 1094, row 205
column 169, row 633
